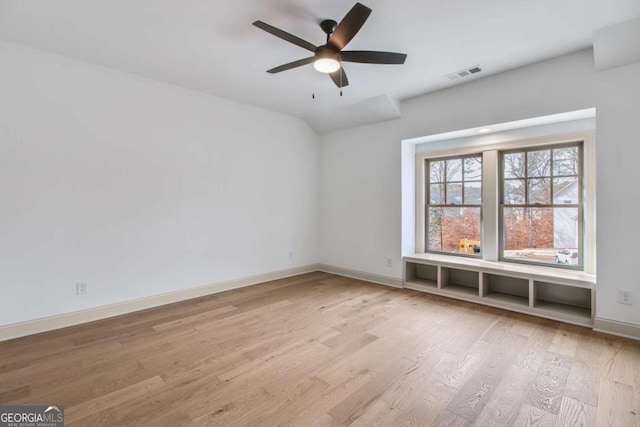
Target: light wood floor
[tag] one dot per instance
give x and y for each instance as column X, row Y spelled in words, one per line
column 322, row 350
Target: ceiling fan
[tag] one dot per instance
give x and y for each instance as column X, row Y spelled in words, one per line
column 328, row 58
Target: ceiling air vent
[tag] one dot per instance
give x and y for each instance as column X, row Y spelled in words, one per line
column 463, row 73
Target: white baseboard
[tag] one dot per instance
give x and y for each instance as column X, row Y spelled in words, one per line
column 16, row 330
column 613, row 327
column 361, row 275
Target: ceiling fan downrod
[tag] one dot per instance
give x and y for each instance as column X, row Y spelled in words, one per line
column 328, row 26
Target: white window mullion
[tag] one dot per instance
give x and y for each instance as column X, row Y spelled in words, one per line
column 490, row 205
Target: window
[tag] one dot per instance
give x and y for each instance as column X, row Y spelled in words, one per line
column 528, row 201
column 541, row 206
column 454, row 205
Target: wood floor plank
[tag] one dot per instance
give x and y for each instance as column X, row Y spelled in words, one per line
column 523, row 324
column 616, row 406
column 530, row 416
column 448, row 419
column 425, row 406
column 504, row 406
column 477, row 391
column 534, row 350
column 353, row 406
column 546, row 391
column 330, row 397
column 371, row 358
column 378, row 414
column 303, row 348
column 583, row 383
column 404, row 390
column 16, row 394
column 575, row 413
column 143, row 410
column 566, row 340
column 319, row 349
column 115, row 398
column 195, row 318
column 41, row 367
column 471, row 325
column 280, row 409
column 498, row 330
column 623, row 366
column 325, row 420
column 224, row 403
column 456, row 370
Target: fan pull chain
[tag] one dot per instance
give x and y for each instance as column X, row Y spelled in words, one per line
column 340, row 92
column 313, row 96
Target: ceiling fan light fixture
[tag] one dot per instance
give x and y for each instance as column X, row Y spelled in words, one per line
column 328, row 58
column 326, row 65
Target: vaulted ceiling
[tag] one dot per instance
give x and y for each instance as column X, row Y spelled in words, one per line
column 211, row 46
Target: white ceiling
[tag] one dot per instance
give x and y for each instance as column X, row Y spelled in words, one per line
column 211, row 46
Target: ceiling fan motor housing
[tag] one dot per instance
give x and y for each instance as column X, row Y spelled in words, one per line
column 327, row 51
column 328, row 26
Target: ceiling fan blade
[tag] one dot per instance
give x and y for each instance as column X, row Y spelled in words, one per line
column 373, row 57
column 290, row 65
column 285, row 36
column 339, row 78
column 349, row 26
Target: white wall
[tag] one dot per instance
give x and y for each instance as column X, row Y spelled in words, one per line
column 140, row 188
column 360, row 204
column 361, row 175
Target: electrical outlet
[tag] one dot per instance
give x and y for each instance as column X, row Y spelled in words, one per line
column 389, row 262
column 625, row 297
column 81, row 288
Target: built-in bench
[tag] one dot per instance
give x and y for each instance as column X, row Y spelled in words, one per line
column 553, row 293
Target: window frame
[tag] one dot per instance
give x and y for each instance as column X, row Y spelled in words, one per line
column 526, row 205
column 428, row 205
column 491, row 197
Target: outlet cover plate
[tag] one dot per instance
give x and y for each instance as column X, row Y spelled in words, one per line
column 625, row 297
column 81, row 288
